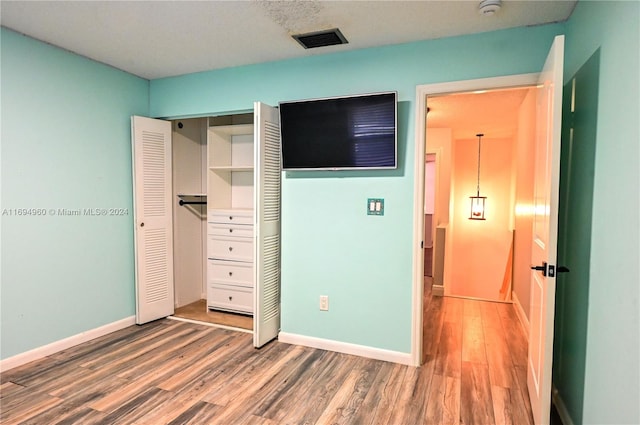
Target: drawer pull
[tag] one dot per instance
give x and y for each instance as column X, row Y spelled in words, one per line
column 230, row 298
column 230, row 248
column 230, row 217
column 230, row 273
column 230, row 230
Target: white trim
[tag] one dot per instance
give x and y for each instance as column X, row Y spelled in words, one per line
column 213, row 325
column 422, row 91
column 346, row 348
column 560, row 407
column 521, row 314
column 417, row 291
column 437, row 290
column 63, row 344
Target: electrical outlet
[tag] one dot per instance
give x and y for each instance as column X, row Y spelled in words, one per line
column 324, row 302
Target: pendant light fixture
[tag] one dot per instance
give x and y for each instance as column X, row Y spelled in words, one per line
column 478, row 202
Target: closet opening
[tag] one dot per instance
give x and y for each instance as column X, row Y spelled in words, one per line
column 207, row 219
column 192, row 141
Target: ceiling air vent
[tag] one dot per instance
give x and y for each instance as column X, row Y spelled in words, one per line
column 312, row 40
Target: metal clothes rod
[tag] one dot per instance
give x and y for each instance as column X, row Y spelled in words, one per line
column 192, row 202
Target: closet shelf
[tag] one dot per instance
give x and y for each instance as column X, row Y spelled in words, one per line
column 231, row 168
column 233, row 130
column 192, row 198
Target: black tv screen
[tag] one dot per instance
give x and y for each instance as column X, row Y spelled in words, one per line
column 340, row 133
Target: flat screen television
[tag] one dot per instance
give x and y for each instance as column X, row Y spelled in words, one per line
column 340, row 133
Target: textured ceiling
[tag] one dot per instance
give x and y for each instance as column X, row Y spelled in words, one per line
column 155, row 39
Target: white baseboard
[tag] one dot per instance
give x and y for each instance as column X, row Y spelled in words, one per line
column 521, row 314
column 437, row 290
column 63, row 344
column 560, row 407
column 346, row 348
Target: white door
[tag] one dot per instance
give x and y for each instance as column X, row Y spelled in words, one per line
column 267, row 176
column 153, row 235
column 545, row 231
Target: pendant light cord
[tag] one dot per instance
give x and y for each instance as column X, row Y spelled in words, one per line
column 479, row 141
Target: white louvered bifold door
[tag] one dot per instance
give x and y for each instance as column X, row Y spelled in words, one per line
column 267, row 175
column 152, row 218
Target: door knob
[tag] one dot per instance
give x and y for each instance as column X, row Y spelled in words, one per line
column 141, row 224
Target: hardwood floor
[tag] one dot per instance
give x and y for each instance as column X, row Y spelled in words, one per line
column 479, row 356
column 171, row 372
column 198, row 311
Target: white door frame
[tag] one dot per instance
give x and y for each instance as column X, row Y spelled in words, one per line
column 422, row 92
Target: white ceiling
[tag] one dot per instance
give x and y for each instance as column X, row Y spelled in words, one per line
column 155, row 39
column 493, row 113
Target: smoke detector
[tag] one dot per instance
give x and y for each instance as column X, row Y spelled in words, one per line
column 489, row 7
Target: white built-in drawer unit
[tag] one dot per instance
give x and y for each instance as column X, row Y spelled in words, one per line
column 230, row 252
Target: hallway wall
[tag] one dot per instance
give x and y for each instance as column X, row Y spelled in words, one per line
column 524, row 152
column 481, row 248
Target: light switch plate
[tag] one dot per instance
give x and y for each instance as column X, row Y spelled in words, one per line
column 375, row 206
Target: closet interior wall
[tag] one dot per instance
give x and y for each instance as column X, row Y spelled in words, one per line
column 189, row 221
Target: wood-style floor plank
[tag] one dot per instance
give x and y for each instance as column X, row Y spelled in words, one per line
column 443, row 405
column 473, row 340
column 320, row 387
column 199, row 413
column 171, row 372
column 449, row 356
column 233, row 377
column 84, row 416
column 499, row 359
column 476, row 405
column 410, row 405
column 26, row 405
column 301, row 376
column 350, row 396
column 518, row 347
column 266, row 384
column 390, row 388
column 432, row 327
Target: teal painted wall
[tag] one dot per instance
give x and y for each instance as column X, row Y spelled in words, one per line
column 574, row 234
column 612, row 367
column 65, row 145
column 329, row 245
